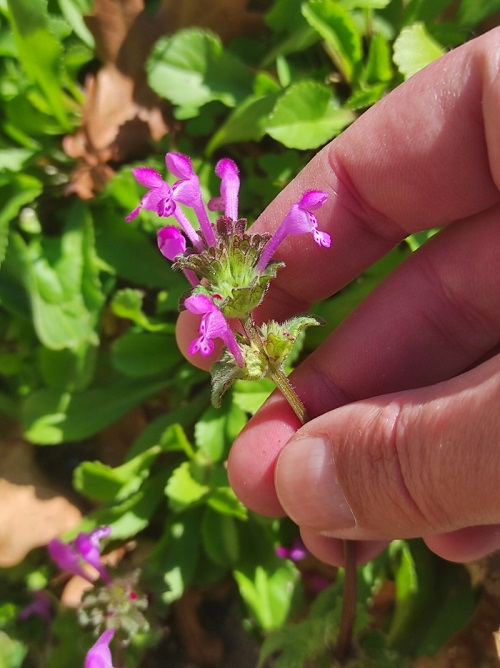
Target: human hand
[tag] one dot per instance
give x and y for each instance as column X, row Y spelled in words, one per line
column 405, row 435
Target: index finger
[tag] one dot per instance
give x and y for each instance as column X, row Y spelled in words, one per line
column 426, row 155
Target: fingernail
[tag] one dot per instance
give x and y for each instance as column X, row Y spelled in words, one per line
column 308, row 487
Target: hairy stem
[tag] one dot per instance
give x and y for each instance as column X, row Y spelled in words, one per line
column 283, row 384
column 344, row 640
column 348, row 616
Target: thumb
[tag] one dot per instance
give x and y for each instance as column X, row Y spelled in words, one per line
column 415, row 463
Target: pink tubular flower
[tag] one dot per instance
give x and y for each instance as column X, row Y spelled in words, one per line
column 85, row 548
column 227, row 171
column 296, row 552
column 299, row 220
column 99, row 655
column 213, row 325
column 171, row 244
column 187, row 191
column 161, row 199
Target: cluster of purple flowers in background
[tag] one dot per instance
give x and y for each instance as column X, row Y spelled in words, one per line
column 173, row 241
column 75, row 557
column 84, row 550
column 297, row 552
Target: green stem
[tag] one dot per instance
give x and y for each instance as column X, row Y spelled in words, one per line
column 344, row 640
column 348, row 616
column 281, row 381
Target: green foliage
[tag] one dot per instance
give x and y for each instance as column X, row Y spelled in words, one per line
column 414, row 49
column 88, row 308
column 306, row 116
column 191, row 69
column 39, row 52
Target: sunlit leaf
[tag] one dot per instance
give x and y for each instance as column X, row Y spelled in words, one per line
column 21, row 190
column 414, row 49
column 127, row 518
column 306, row 116
column 336, row 26
column 250, row 395
column 183, row 489
column 40, row 51
column 378, row 64
column 63, row 285
column 191, row 68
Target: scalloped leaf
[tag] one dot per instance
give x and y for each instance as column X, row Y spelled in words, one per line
column 414, row 49
column 306, row 116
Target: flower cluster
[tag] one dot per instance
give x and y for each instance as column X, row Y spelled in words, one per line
column 84, row 550
column 228, row 268
column 99, row 655
column 108, row 607
column 314, row 580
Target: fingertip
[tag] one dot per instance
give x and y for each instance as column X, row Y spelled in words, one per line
column 465, row 545
column 253, row 456
column 331, row 550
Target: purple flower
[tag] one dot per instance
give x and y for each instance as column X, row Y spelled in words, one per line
column 316, row 582
column 99, row 655
column 161, row 198
column 85, row 548
column 227, row 171
column 213, row 325
column 299, row 220
column 296, row 552
column 171, row 243
column 187, row 191
column 39, row 606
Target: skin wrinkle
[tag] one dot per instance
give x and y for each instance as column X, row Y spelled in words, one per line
column 324, row 387
column 374, row 222
column 418, row 467
column 387, row 447
column 457, row 310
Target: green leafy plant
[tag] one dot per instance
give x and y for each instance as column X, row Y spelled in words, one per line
column 88, row 310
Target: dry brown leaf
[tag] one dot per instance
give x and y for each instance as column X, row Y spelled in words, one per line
column 32, row 511
column 121, row 114
column 228, row 18
column 200, row 645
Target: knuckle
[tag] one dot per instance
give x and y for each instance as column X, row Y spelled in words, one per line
column 383, row 478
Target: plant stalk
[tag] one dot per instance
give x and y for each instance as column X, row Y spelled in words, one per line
column 344, row 640
column 283, row 384
column 348, row 616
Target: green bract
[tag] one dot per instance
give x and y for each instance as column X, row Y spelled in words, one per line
column 277, row 341
column 230, row 269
